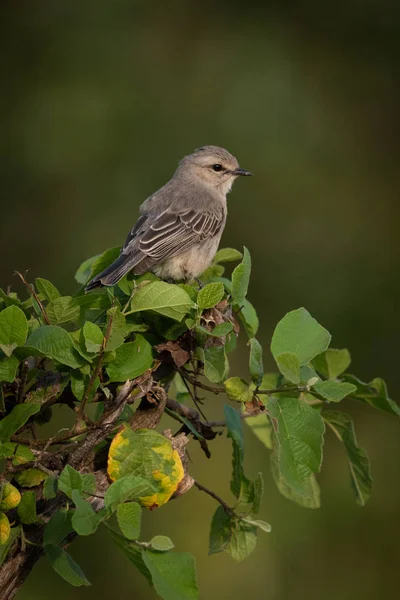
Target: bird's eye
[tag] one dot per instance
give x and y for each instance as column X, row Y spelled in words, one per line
column 217, row 167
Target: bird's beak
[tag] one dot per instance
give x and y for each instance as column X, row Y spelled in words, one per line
column 243, row 172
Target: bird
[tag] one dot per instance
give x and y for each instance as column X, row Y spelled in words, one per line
column 179, row 228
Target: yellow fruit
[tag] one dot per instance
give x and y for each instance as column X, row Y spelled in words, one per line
column 5, row 529
column 11, row 497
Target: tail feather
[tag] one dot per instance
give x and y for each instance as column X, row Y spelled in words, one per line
column 112, row 274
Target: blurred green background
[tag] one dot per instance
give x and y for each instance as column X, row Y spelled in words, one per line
column 100, row 100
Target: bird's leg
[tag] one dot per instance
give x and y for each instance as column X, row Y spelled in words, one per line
column 199, row 283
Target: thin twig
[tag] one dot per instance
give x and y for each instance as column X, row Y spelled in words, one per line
column 242, row 416
column 34, row 294
column 222, row 502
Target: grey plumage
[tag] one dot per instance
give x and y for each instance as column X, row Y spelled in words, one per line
column 180, row 226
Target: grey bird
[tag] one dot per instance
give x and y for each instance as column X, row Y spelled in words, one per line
column 180, row 226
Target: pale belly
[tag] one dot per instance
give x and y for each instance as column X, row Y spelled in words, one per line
column 189, row 264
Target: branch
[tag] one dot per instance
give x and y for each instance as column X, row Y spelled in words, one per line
column 222, row 502
column 31, row 290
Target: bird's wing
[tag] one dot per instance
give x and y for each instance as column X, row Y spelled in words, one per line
column 172, row 233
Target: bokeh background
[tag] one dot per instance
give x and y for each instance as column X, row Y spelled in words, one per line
column 99, row 101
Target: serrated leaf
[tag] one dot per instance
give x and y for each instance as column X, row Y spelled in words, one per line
column 262, row 428
column 299, row 431
column 333, row 391
column 299, row 334
column 8, row 368
column 241, row 278
column 26, row 509
column 54, row 342
column 131, row 360
column 13, row 329
column 50, row 488
column 47, row 289
column 359, row 466
column 70, row 480
column 30, row 477
column 215, row 363
column 126, row 488
column 210, row 295
column 374, row 393
column 310, row 494
column 58, row 527
column 84, row 520
column 65, row 566
column 161, row 543
column 173, row 574
column 63, row 310
column 129, row 517
column 227, row 255
column 238, row 389
column 19, row 415
column 243, row 540
column 93, row 337
column 332, row 362
column 289, row 366
column 164, row 298
column 256, row 361
column 148, row 454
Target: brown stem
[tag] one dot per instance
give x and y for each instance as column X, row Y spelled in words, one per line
column 34, row 294
column 222, row 502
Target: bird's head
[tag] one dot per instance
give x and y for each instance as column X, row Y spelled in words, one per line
column 213, row 167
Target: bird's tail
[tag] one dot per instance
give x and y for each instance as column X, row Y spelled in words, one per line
column 112, row 274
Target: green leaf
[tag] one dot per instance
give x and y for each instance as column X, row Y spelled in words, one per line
column 241, row 487
column 164, row 298
column 374, row 393
column 70, row 480
column 215, row 363
column 30, row 477
column 249, row 319
column 13, row 329
column 65, row 566
column 238, row 389
column 257, row 523
column 4, row 550
column 262, row 429
column 84, row 520
column 256, row 361
column 310, row 495
column 16, row 419
column 359, row 466
column 129, row 516
column 26, row 509
column 126, row 488
column 332, row 362
column 104, row 260
column 173, row 574
column 333, row 391
column 222, row 329
column 289, row 366
column 50, row 488
column 220, row 531
column 243, row 540
column 210, row 295
column 54, row 342
column 8, row 368
column 58, row 527
column 299, row 432
column 93, row 337
column 83, row 274
column 47, row 289
column 131, row 360
column 241, row 278
column 132, row 552
column 63, row 310
column 227, row 255
column 301, row 335
column 161, row 543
